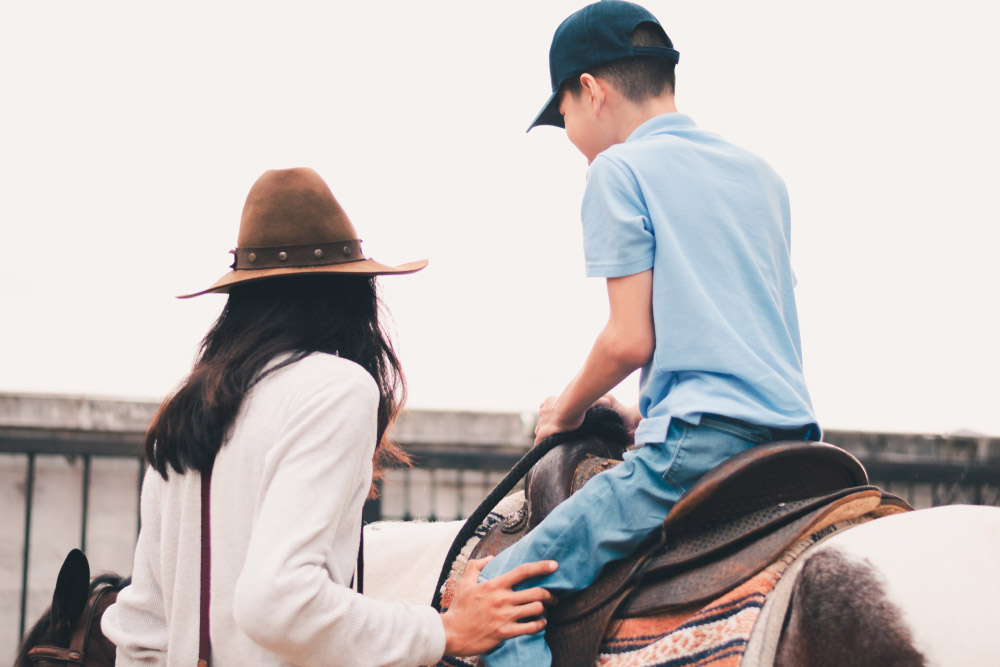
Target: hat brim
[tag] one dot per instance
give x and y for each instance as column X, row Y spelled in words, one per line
column 365, row 267
column 549, row 115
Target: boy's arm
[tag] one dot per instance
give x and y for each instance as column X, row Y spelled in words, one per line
column 625, row 344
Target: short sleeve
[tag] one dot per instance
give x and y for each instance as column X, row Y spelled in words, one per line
column 617, row 234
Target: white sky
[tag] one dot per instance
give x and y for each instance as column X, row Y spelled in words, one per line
column 130, row 134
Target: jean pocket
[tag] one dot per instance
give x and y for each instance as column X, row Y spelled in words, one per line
column 702, row 447
column 674, row 450
column 755, row 435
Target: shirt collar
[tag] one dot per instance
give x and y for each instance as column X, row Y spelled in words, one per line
column 664, row 123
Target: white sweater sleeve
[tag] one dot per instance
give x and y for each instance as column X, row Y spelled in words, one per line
column 136, row 624
column 285, row 598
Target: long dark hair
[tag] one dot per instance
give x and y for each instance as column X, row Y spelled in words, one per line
column 296, row 315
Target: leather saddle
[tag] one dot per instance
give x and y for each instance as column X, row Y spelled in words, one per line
column 736, row 520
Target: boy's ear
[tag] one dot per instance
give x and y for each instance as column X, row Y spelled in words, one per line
column 593, row 91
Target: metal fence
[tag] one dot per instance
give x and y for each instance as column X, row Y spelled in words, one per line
column 933, row 484
column 92, row 481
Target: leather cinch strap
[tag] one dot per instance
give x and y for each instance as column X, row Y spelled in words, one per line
column 204, row 641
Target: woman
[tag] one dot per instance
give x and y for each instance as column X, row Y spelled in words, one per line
column 283, row 420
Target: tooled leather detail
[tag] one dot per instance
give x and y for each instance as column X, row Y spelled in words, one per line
column 587, row 468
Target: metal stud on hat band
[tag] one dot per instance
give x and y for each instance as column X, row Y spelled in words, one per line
column 313, row 254
column 292, row 224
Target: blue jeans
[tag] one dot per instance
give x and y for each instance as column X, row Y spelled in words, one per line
column 613, row 512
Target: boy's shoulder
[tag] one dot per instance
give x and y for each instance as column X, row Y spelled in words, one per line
column 660, row 140
column 671, row 146
column 623, row 164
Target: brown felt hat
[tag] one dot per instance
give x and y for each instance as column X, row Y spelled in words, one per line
column 292, row 224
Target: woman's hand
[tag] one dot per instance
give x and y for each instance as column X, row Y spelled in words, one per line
column 483, row 615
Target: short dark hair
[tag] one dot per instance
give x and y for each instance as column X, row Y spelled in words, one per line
column 640, row 77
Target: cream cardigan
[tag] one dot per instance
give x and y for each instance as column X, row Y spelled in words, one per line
column 287, row 492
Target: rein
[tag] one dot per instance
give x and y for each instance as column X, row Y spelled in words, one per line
column 471, row 524
column 510, row 480
column 77, row 651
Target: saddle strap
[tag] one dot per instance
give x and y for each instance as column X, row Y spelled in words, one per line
column 583, row 638
column 204, row 640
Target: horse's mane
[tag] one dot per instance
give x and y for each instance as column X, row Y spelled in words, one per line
column 600, row 423
column 43, row 631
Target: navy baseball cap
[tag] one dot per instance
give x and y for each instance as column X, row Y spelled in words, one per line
column 594, row 36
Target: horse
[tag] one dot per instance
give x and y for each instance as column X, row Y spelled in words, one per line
column 69, row 632
column 913, row 588
column 908, row 588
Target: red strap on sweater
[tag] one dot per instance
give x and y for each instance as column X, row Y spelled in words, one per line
column 204, row 641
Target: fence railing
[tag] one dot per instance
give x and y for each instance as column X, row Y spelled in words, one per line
column 75, row 487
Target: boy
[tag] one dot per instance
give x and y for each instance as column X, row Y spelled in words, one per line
column 692, row 235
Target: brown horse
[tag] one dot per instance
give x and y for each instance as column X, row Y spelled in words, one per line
column 69, row 632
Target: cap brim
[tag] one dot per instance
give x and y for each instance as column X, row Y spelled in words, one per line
column 549, row 115
column 366, row 267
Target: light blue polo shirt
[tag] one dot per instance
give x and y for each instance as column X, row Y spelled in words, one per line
column 712, row 221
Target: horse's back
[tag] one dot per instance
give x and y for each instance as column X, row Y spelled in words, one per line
column 402, row 558
column 938, row 568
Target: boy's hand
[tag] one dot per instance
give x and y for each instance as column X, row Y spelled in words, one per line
column 626, row 343
column 550, row 421
column 629, row 413
column 483, row 615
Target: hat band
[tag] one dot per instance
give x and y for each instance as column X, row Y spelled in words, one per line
column 658, row 51
column 314, row 254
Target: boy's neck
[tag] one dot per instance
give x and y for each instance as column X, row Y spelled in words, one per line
column 632, row 115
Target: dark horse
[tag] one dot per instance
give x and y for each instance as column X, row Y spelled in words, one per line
column 69, row 632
